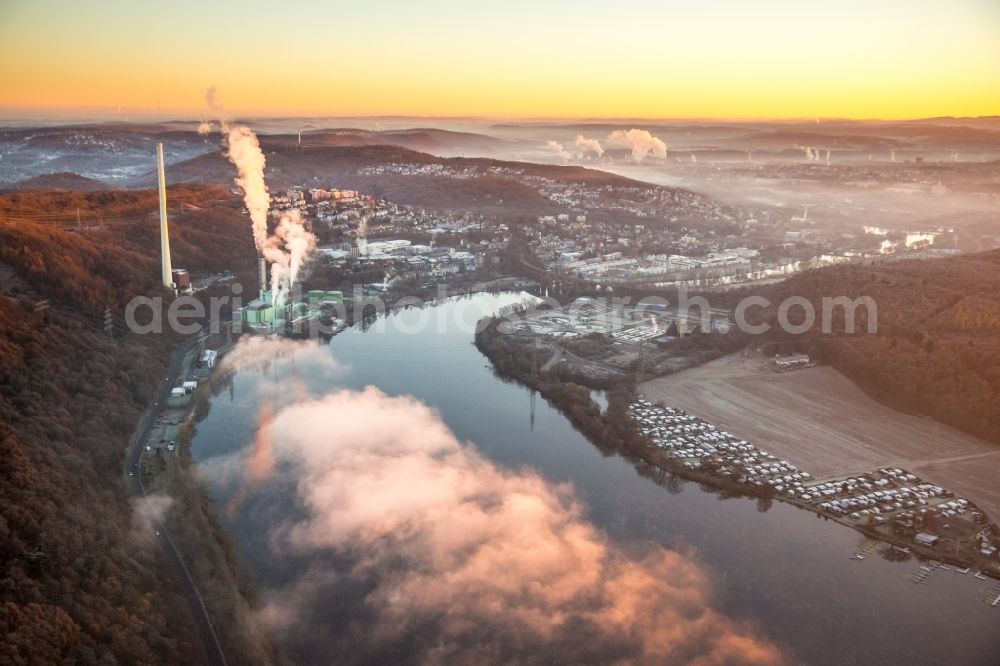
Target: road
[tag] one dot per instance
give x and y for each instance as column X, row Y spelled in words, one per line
column 212, row 647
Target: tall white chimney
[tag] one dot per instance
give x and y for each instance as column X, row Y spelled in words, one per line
column 165, row 267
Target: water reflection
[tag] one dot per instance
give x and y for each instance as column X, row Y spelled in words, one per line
column 783, row 570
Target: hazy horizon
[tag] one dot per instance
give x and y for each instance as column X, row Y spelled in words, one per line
column 140, row 115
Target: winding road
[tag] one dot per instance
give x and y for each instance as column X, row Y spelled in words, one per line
column 212, row 647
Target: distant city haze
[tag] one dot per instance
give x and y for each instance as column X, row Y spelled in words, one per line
column 714, row 59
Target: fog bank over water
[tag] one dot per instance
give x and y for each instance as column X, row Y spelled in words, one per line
column 391, row 495
column 427, row 548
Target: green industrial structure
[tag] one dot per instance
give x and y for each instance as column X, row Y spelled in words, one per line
column 318, row 297
column 263, row 315
column 260, row 311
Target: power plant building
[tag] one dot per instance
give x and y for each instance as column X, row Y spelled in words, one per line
column 318, row 297
column 182, row 279
column 263, row 315
column 259, row 311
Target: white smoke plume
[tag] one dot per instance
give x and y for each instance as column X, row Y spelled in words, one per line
column 589, row 146
column 212, row 102
column 287, row 250
column 640, row 142
column 362, row 236
column 812, row 154
column 558, row 149
column 205, row 127
column 243, row 150
column 290, row 245
column 435, row 552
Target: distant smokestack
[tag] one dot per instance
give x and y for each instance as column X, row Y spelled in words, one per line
column 263, row 273
column 165, row 267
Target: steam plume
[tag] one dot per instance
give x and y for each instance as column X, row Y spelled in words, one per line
column 362, row 236
column 640, row 142
column 243, row 150
column 812, row 154
column 558, row 149
column 289, row 247
column 287, row 250
column 589, row 145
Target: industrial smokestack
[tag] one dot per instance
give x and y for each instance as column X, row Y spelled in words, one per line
column 165, row 267
column 263, row 274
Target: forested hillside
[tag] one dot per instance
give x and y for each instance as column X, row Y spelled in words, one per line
column 80, row 581
column 77, row 583
column 937, row 347
column 105, row 266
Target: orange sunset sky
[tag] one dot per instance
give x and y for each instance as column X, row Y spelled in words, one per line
column 629, row 58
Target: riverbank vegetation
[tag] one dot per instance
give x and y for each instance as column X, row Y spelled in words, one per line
column 612, row 431
column 936, row 351
column 81, row 579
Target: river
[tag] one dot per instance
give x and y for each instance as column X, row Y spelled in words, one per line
column 783, row 572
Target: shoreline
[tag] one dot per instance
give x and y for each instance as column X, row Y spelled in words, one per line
column 204, row 548
column 621, row 435
column 618, row 434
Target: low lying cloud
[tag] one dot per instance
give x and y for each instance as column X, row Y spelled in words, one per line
column 147, row 513
column 640, row 142
column 256, row 353
column 415, row 548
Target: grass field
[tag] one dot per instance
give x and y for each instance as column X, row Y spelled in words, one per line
column 820, row 421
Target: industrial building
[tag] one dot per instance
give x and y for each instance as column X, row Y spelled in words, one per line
column 207, row 359
column 182, row 280
column 263, row 315
column 259, row 311
column 260, row 314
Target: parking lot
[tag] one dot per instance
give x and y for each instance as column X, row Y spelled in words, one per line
column 893, row 498
column 819, row 420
